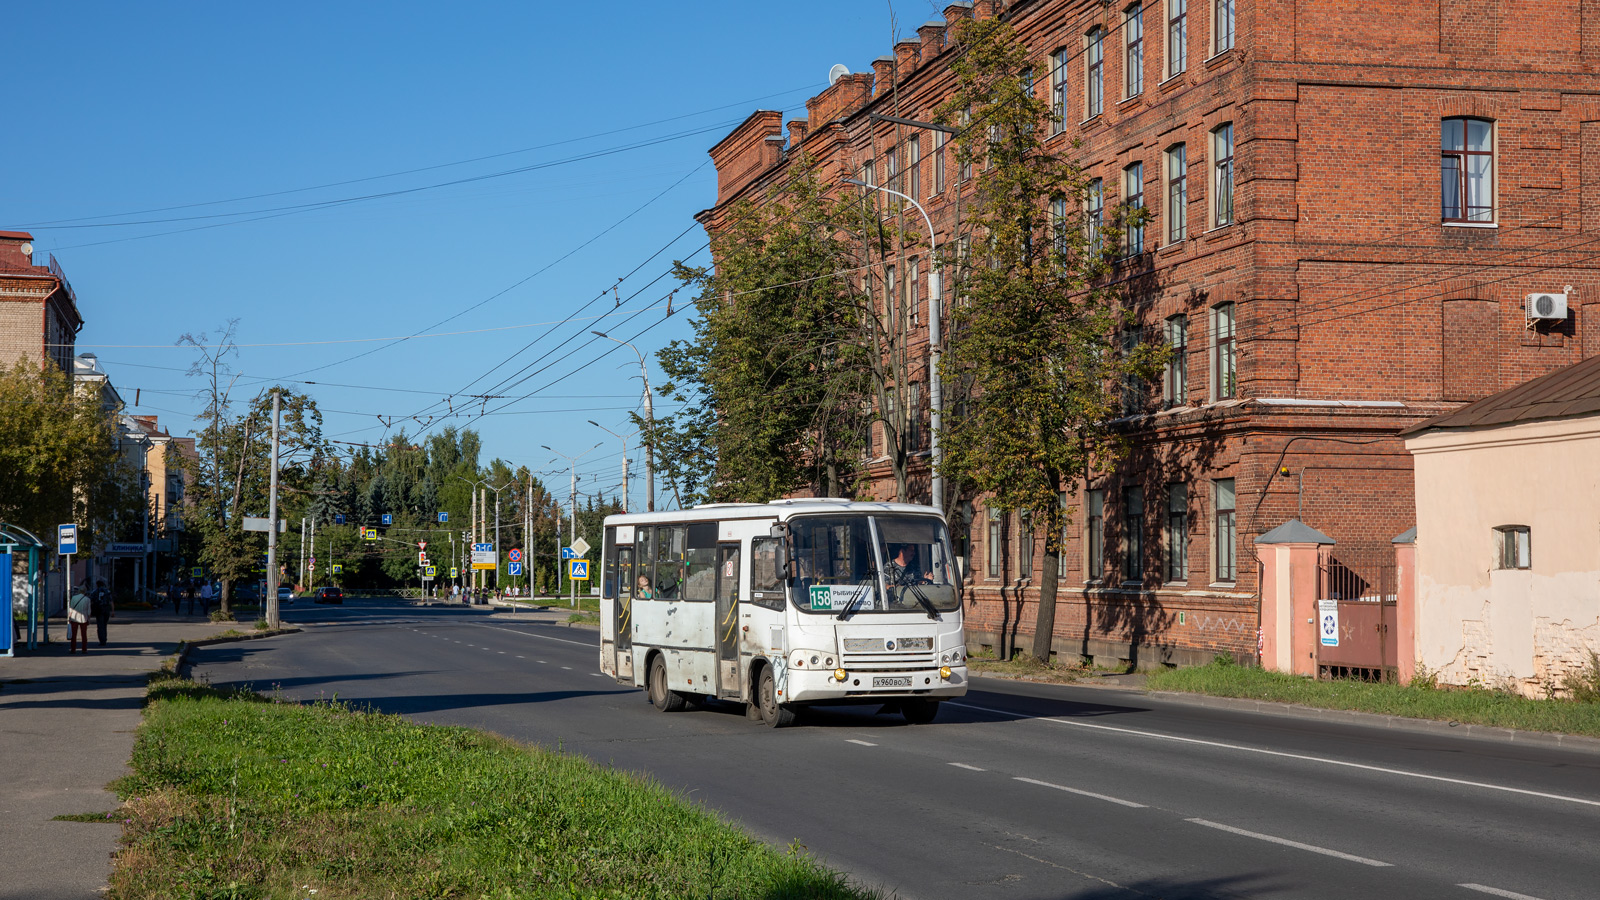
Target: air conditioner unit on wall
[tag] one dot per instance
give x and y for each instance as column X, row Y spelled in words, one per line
column 1546, row 307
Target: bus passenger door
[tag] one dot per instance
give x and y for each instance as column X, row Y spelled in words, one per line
column 622, row 614
column 728, row 620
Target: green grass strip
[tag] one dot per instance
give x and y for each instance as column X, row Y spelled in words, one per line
column 1419, row 700
column 238, row 796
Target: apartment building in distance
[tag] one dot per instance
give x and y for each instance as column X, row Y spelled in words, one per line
column 1352, row 204
column 39, row 317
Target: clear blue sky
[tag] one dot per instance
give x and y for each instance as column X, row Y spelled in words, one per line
column 128, row 108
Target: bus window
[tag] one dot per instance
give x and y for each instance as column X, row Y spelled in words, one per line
column 700, row 562
column 836, row 553
column 624, row 572
column 609, row 582
column 668, row 581
column 644, row 555
column 766, row 588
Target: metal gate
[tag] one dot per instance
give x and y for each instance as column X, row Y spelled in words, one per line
column 1356, row 585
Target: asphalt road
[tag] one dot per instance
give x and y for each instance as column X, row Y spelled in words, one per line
column 1019, row 791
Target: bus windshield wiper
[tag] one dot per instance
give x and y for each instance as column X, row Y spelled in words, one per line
column 861, row 591
column 922, row 598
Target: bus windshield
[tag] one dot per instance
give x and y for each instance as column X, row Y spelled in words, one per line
column 873, row 564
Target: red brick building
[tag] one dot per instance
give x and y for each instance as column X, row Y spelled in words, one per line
column 1352, row 203
column 38, row 312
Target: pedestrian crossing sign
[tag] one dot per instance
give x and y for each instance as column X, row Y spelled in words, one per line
column 578, row 569
column 430, row 571
column 338, row 569
column 197, row 572
column 455, row 572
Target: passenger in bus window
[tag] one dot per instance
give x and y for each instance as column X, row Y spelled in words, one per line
column 644, row 592
column 903, row 567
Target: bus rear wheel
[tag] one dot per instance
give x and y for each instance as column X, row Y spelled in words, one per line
column 775, row 714
column 919, row 712
column 661, row 696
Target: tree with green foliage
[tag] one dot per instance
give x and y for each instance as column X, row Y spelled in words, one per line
column 1035, row 334
column 60, row 457
column 229, row 477
column 772, row 385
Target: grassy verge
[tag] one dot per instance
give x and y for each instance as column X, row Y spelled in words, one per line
column 1419, row 700
column 235, row 796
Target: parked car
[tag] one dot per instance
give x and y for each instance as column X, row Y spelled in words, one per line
column 329, row 595
column 285, row 594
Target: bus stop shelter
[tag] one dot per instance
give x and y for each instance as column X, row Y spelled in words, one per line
column 24, row 591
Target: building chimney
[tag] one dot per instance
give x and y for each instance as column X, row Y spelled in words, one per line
column 955, row 12
column 908, row 55
column 932, row 35
column 883, row 75
column 16, row 249
column 797, row 132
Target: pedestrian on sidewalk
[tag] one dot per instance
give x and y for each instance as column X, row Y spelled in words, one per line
column 175, row 594
column 205, row 599
column 188, row 591
column 102, row 607
column 78, row 606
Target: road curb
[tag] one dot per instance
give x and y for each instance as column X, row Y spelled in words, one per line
column 1398, row 723
column 181, row 658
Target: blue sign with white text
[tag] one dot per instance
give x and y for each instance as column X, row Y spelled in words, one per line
column 338, row 520
column 69, row 540
column 444, row 517
column 388, row 519
column 516, row 568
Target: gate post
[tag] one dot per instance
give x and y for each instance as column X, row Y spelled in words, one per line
column 1289, row 557
column 1405, row 605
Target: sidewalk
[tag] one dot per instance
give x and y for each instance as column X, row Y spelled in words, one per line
column 67, row 724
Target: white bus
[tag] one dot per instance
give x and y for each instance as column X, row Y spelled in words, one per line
column 783, row 605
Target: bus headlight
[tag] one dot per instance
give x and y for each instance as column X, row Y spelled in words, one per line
column 944, row 672
column 840, row 674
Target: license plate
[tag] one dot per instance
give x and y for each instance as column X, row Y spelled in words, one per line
column 891, row 681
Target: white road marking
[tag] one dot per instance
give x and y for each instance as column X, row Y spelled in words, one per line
column 1498, row 892
column 522, row 657
column 568, row 668
column 542, row 637
column 501, row 652
column 1117, row 800
column 595, row 674
column 543, row 663
column 968, row 768
column 1288, row 843
column 1299, row 756
column 862, row 743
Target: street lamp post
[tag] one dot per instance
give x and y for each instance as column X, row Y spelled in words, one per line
column 935, row 338
column 572, row 503
column 624, row 441
column 650, row 424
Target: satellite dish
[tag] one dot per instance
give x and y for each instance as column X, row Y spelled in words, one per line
column 837, row 72
column 26, row 248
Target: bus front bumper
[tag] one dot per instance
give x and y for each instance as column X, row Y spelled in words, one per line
column 820, row 686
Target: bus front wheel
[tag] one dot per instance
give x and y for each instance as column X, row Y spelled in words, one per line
column 661, row 696
column 775, row 714
column 919, row 712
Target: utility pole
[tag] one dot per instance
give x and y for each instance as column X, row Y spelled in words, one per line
column 650, row 427
column 272, row 521
column 301, row 582
column 572, row 518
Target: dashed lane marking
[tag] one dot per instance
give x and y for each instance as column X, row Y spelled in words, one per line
column 1497, row 892
column 862, row 743
column 542, row 637
column 568, row 668
column 1082, row 793
column 1288, row 843
column 968, row 768
column 1280, row 753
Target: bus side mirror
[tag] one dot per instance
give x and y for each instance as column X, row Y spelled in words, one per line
column 782, row 562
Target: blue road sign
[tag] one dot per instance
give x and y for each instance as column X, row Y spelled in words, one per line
column 69, row 539
column 444, row 518
column 516, row 568
column 338, row 520
column 568, row 553
column 388, row 519
column 579, row 570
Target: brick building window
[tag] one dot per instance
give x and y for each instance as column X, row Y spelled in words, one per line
column 996, row 543
column 1094, row 212
column 914, row 292
column 1466, row 170
column 939, row 140
column 961, row 537
column 891, row 174
column 1177, row 37
column 1227, row 567
column 1133, row 200
column 914, row 167
column 1515, row 543
column 1058, row 89
column 966, row 159
column 914, row 429
column 1094, row 535
column 1133, row 50
column 1221, row 26
column 1225, row 374
column 1024, row 544
column 1177, row 194
column 1175, row 379
column 869, row 174
column 1059, row 225
column 1177, row 532
column 1133, row 541
column 1095, row 71
column 1061, row 557
column 1132, row 386
column 1222, row 176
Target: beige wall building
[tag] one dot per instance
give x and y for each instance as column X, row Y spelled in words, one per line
column 1508, row 534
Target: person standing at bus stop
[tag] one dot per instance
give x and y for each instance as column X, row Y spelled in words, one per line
column 102, row 607
column 78, row 606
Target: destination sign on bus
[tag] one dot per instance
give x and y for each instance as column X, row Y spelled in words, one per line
column 838, row 596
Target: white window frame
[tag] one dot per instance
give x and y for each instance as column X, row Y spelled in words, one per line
column 1176, row 160
column 1133, row 199
column 1133, row 50
column 1224, row 21
column 1094, row 72
column 1224, row 176
column 1177, row 36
